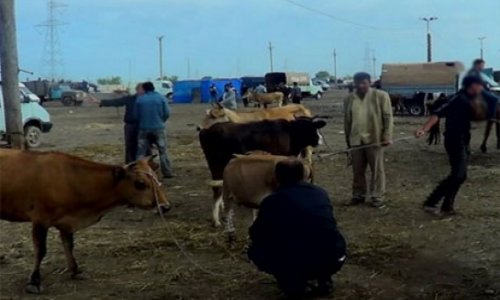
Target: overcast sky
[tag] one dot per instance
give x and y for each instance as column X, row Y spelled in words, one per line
column 225, row 38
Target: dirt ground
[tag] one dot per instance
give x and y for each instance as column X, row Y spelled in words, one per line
column 394, row 253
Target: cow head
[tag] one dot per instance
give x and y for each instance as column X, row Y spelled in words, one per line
column 217, row 114
column 307, row 131
column 139, row 186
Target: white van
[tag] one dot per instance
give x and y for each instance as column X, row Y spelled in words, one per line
column 34, row 117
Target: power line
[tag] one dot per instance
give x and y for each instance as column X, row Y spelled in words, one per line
column 343, row 20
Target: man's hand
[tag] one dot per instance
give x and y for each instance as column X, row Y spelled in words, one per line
column 386, row 143
column 420, row 133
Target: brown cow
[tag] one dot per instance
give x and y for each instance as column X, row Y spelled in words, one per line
column 53, row 189
column 264, row 99
column 247, row 180
column 219, row 114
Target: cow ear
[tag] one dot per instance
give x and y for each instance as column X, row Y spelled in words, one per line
column 319, row 124
column 119, row 173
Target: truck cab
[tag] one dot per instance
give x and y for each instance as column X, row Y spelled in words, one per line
column 274, row 79
column 36, row 120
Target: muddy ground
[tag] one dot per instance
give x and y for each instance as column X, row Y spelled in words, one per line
column 394, row 253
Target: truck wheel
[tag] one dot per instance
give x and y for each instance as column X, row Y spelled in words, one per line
column 68, row 101
column 318, row 96
column 416, row 110
column 33, row 136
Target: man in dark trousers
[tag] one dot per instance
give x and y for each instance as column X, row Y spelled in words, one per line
column 152, row 111
column 130, row 129
column 296, row 93
column 295, row 236
column 458, row 112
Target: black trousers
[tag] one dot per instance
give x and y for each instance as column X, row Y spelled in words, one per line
column 131, row 132
column 448, row 188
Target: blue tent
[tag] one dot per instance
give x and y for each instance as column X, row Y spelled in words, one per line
column 219, row 84
column 187, row 91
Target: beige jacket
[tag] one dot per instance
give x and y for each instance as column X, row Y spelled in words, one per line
column 368, row 120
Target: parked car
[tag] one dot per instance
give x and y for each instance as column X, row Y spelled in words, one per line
column 36, row 120
column 54, row 91
column 274, row 79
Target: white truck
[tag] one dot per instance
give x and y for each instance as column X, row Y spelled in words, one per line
column 164, row 87
column 36, row 120
column 274, row 79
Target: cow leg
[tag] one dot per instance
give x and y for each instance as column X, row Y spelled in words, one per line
column 487, row 132
column 68, row 245
column 218, row 203
column 498, row 129
column 255, row 213
column 229, row 213
column 39, row 236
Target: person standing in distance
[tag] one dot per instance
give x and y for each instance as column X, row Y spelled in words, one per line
column 130, row 129
column 368, row 124
column 152, row 111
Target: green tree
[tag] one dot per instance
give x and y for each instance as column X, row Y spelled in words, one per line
column 110, row 80
column 323, row 75
column 172, row 78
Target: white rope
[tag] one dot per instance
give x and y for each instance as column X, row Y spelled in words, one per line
column 348, row 150
column 164, row 220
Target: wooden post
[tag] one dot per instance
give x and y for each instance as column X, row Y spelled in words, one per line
column 10, row 72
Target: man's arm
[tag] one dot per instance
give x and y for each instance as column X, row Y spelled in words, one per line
column 117, row 102
column 165, row 110
column 347, row 121
column 261, row 229
column 387, row 120
column 433, row 119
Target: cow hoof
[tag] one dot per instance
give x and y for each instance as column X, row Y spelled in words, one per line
column 217, row 225
column 32, row 288
column 484, row 149
column 80, row 275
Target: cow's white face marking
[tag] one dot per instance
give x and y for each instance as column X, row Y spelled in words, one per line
column 320, row 138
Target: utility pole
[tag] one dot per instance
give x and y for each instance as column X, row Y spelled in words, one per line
column 188, row 68
column 160, row 53
column 374, row 65
column 429, row 44
column 481, row 39
column 52, row 51
column 10, row 73
column 335, row 66
column 271, row 56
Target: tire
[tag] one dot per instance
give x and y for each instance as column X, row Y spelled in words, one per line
column 170, row 96
column 318, row 96
column 33, row 136
column 68, row 101
column 416, row 110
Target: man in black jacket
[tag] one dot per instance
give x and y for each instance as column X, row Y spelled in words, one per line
column 131, row 130
column 295, row 236
column 458, row 113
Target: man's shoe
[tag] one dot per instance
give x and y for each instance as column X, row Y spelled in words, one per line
column 324, row 288
column 447, row 213
column 356, row 201
column 168, row 176
column 377, row 203
column 431, row 210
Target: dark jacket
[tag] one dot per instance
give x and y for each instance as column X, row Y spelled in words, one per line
column 296, row 229
column 128, row 102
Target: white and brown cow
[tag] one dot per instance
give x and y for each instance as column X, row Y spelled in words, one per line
column 247, row 180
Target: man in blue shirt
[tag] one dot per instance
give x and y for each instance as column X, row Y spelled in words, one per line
column 151, row 111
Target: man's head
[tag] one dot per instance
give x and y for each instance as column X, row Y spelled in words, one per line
column 148, row 86
column 295, row 84
column 289, row 171
column 138, row 89
column 478, row 64
column 362, row 82
column 473, row 85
